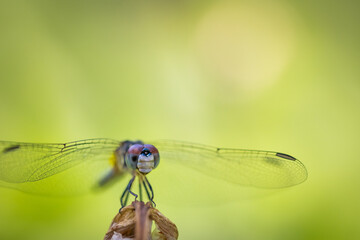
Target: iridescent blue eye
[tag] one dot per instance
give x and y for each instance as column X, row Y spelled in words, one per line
column 146, row 152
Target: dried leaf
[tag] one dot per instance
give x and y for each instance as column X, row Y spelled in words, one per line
column 134, row 222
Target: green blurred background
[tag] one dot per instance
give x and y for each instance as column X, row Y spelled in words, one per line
column 271, row 75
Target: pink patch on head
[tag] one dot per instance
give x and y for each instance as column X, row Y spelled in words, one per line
column 136, row 149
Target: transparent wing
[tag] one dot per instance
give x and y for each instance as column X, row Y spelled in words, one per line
column 263, row 169
column 55, row 169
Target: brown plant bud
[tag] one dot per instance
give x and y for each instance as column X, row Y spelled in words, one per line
column 134, row 223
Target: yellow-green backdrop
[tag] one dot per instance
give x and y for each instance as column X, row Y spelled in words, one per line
column 272, row 75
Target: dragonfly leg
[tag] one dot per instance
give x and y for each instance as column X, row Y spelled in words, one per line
column 126, row 192
column 151, row 198
column 126, row 199
column 134, row 194
column 146, row 190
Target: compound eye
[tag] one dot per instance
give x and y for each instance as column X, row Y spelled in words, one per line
column 153, row 151
column 136, row 149
column 132, row 155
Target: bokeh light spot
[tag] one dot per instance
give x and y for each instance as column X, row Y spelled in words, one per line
column 246, row 46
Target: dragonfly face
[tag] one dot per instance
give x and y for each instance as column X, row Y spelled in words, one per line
column 142, row 157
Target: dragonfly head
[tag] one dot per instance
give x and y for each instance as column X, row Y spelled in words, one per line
column 143, row 157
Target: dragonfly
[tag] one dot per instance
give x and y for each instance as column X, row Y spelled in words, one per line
column 79, row 166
